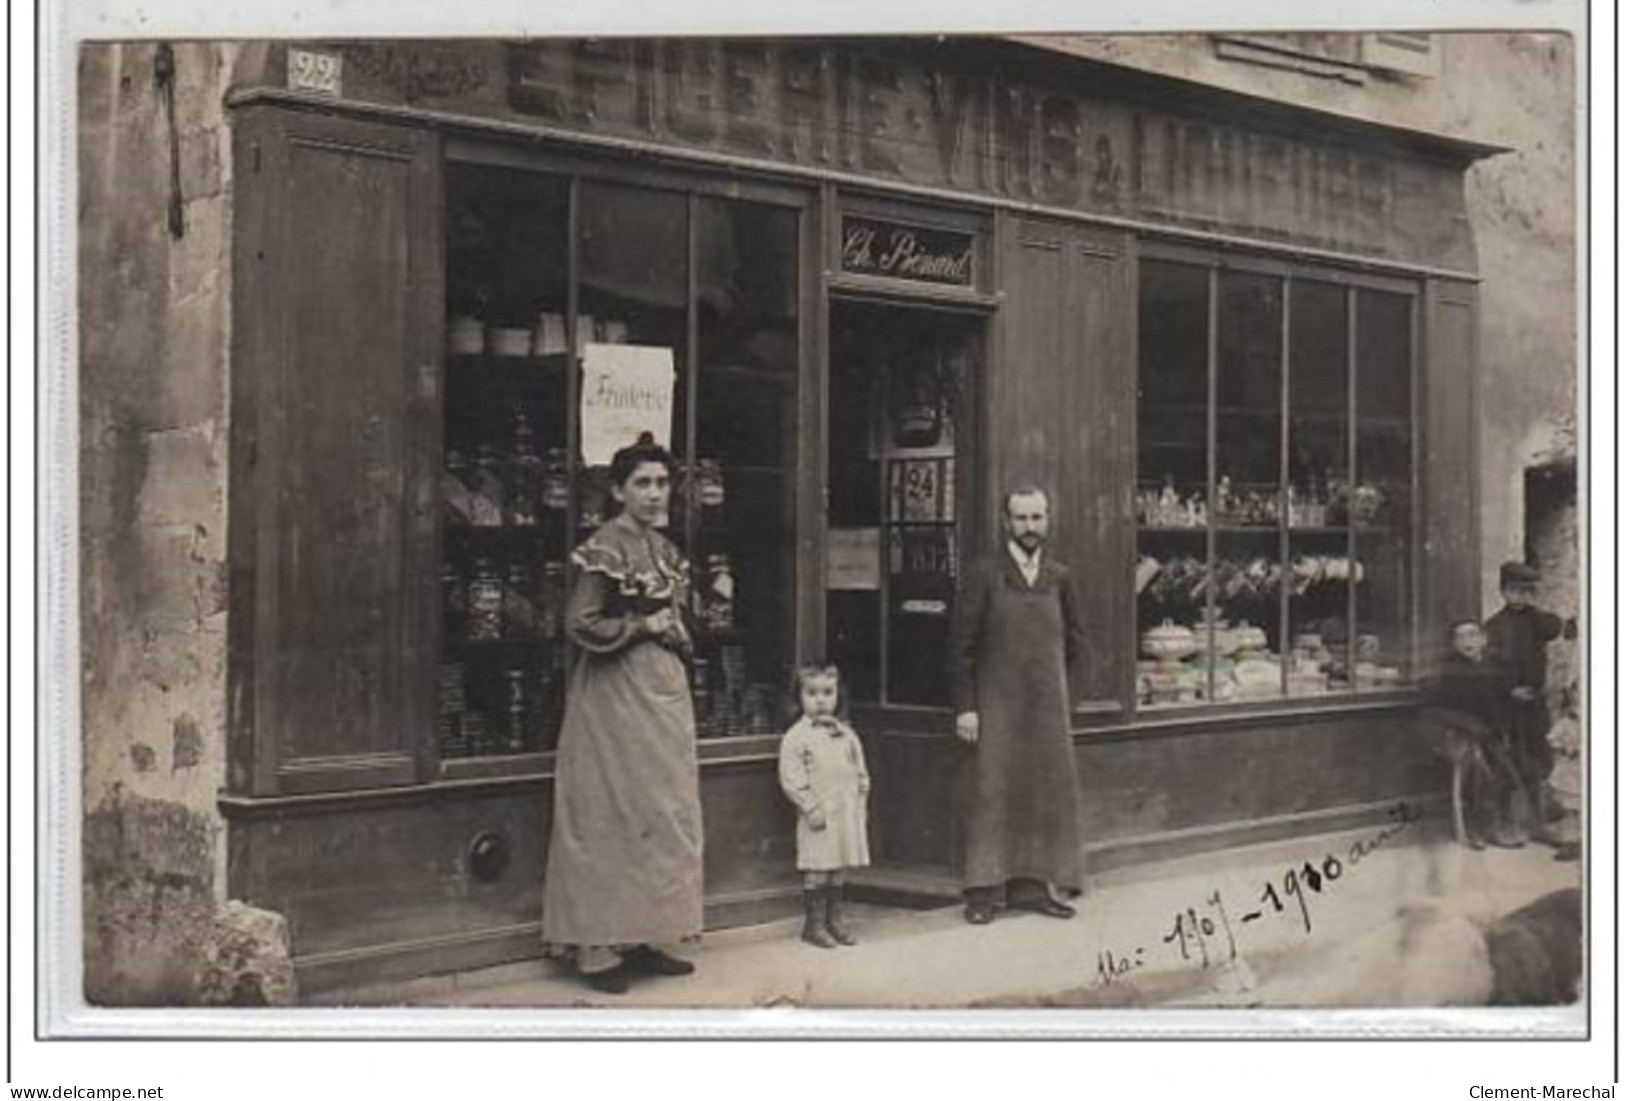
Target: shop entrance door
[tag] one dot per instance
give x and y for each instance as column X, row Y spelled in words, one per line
column 902, row 386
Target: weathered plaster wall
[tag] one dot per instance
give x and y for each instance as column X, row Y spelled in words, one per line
column 152, row 387
column 1511, row 90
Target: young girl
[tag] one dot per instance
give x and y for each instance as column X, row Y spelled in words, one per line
column 821, row 769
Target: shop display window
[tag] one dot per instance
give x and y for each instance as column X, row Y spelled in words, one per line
column 546, row 275
column 1273, row 487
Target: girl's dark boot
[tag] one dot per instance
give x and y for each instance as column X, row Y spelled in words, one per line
column 833, row 920
column 815, row 929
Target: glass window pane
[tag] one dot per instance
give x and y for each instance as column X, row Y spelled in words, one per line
column 747, row 272
column 634, row 286
column 1172, row 479
column 1380, row 501
column 1319, row 563
column 1241, row 624
column 506, row 480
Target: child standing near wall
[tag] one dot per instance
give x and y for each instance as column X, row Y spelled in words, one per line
column 1518, row 635
column 822, row 771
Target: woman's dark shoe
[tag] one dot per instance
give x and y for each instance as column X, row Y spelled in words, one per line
column 1047, row 906
column 815, row 929
column 1567, row 852
column 832, row 917
column 649, row 960
column 980, row 911
column 610, row 981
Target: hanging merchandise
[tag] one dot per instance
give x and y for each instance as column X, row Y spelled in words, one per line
column 709, row 485
column 717, row 597
column 519, row 614
column 524, row 475
column 455, row 481
column 489, row 492
column 916, row 402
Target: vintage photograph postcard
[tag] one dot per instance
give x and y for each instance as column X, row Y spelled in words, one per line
column 977, row 522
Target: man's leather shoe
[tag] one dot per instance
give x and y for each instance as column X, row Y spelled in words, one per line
column 612, row 981
column 979, row 912
column 652, row 961
column 1047, row 906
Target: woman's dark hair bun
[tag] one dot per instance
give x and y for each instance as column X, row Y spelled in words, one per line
column 626, row 460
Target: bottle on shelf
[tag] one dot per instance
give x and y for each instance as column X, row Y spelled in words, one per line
column 525, row 475
column 485, row 602
column 591, row 498
column 1167, row 504
column 556, row 481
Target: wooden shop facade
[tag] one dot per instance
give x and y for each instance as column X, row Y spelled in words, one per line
column 874, row 283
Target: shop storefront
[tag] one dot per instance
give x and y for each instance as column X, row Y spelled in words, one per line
column 867, row 285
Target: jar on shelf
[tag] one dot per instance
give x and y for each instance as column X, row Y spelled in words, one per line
column 519, row 601
column 717, row 597
column 519, row 717
column 556, row 481
column 709, row 488
column 550, row 706
column 488, row 491
column 485, row 602
column 524, row 475
column 591, row 498
column 476, row 733
column 702, row 697
column 453, row 601
column 550, row 601
column 452, row 702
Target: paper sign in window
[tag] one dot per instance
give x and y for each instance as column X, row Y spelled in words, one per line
column 626, row 389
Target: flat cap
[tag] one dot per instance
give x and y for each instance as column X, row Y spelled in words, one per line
column 1518, row 573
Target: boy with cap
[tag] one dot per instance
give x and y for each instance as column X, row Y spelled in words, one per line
column 1518, row 635
column 1469, row 701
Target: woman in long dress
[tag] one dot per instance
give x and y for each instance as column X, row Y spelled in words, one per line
column 624, row 857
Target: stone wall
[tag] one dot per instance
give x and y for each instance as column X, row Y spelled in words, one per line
column 153, row 420
column 1511, row 90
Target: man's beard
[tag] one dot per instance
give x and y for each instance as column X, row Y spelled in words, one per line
column 1029, row 541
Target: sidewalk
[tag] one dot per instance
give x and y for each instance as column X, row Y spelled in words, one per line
column 1241, row 927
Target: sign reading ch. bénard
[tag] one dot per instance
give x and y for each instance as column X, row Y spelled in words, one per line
column 900, row 111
